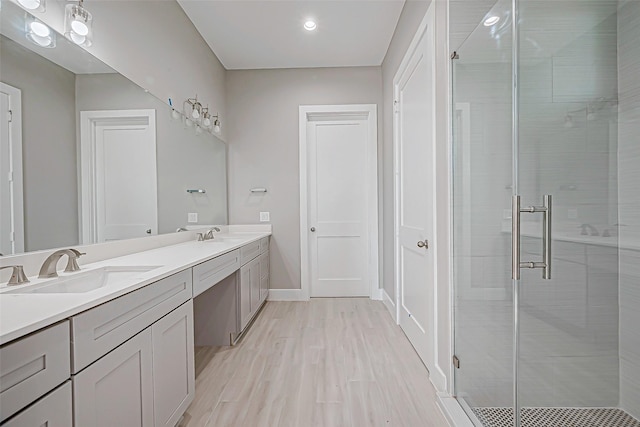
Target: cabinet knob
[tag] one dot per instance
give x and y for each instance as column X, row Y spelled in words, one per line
column 313, row 229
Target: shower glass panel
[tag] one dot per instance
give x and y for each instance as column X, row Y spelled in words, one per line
column 568, row 148
column 562, row 350
column 482, row 145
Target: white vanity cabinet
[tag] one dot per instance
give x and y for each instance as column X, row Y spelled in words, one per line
column 254, row 280
column 117, row 390
column 149, row 380
column 174, row 385
column 53, row 410
column 32, row 366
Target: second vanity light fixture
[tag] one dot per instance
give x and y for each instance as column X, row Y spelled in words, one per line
column 78, row 24
column 195, row 113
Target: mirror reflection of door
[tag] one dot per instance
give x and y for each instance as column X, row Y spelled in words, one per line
column 118, row 171
column 11, row 202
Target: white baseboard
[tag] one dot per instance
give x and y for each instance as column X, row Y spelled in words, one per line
column 390, row 304
column 377, row 295
column 286, row 295
column 438, row 378
column 453, row 412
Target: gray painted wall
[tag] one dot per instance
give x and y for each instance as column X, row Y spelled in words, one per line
column 154, row 44
column 184, row 159
column 48, row 144
column 412, row 15
column 263, row 130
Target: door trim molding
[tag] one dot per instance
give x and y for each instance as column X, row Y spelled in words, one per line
column 15, row 142
column 87, row 193
column 308, row 113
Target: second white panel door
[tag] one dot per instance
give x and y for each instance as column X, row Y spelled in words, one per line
column 338, row 241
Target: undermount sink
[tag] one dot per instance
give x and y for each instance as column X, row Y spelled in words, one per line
column 227, row 239
column 82, row 282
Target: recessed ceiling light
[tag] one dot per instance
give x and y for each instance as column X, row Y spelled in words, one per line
column 310, row 25
column 492, row 20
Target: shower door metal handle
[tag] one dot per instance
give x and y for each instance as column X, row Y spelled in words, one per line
column 516, row 264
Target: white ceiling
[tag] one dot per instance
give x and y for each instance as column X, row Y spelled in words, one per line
column 247, row 34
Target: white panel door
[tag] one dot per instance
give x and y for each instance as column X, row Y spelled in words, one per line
column 415, row 198
column 337, row 177
column 11, row 208
column 119, row 175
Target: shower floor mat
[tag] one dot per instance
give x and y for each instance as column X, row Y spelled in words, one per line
column 557, row 417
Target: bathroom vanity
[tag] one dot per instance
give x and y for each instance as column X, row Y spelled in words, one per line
column 113, row 344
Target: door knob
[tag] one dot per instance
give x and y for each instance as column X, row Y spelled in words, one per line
column 149, row 231
column 313, row 229
column 423, row 244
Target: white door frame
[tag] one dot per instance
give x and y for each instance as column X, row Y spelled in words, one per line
column 89, row 120
column 17, row 190
column 360, row 111
column 427, row 23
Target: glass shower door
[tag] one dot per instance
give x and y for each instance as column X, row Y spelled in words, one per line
column 567, row 148
column 482, row 152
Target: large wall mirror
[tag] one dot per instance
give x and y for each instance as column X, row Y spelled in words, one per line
column 87, row 156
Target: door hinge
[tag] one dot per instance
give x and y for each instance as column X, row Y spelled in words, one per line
column 455, row 55
column 456, row 362
column 9, row 116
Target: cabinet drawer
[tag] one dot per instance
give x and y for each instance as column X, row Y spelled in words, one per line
column 249, row 252
column 209, row 273
column 99, row 330
column 53, row 410
column 264, row 244
column 32, row 366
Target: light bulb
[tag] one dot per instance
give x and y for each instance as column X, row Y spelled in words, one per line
column 188, row 122
column 206, row 121
column 79, row 27
column 195, row 114
column 310, row 25
column 175, row 114
column 492, row 20
column 77, row 38
column 40, row 29
column 216, row 127
column 41, row 41
column 30, row 4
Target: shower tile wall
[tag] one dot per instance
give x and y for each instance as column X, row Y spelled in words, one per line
column 629, row 193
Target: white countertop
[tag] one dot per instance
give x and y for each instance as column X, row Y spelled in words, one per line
column 21, row 314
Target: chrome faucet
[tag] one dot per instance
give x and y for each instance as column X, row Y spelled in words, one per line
column 209, row 234
column 49, row 265
column 17, row 275
column 594, row 231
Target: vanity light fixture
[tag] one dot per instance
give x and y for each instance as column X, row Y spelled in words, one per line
column 492, row 20
column 38, row 33
column 78, row 24
column 37, row 5
column 216, row 124
column 310, row 25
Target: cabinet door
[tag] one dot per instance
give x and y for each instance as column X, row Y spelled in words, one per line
column 244, row 295
column 117, row 390
column 264, row 276
column 255, row 286
column 173, row 369
column 53, row 410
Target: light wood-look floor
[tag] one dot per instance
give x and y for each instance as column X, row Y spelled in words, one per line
column 327, row 362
